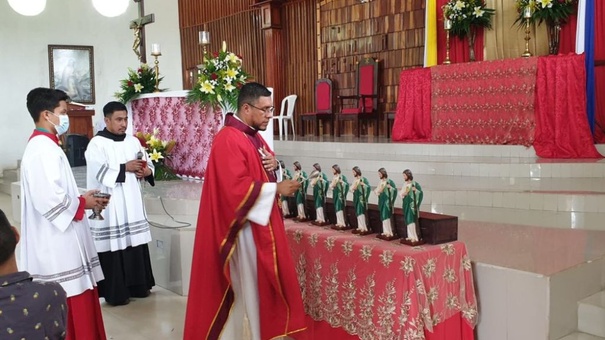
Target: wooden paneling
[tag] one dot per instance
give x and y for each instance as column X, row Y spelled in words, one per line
column 242, row 33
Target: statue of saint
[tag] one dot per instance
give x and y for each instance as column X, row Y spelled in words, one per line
column 387, row 193
column 301, row 194
column 361, row 192
column 411, row 192
column 319, row 183
column 285, row 199
column 340, row 189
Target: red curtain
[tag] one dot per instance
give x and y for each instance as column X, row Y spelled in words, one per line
column 459, row 51
column 413, row 115
column 562, row 130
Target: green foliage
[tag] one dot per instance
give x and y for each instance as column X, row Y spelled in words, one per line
column 219, row 80
column 466, row 13
column 138, row 82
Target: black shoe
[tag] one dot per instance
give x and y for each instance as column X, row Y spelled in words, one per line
column 141, row 294
column 120, row 303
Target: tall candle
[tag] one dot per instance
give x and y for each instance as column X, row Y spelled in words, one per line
column 527, row 12
column 447, row 24
column 204, row 37
column 155, row 49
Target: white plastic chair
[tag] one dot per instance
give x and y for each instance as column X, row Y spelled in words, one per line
column 286, row 113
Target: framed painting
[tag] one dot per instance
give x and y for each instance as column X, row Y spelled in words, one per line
column 71, row 69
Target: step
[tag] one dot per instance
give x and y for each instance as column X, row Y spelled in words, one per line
column 591, row 315
column 581, row 336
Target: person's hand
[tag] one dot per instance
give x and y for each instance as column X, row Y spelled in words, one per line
column 92, row 202
column 134, row 165
column 269, row 161
column 287, row 187
column 144, row 172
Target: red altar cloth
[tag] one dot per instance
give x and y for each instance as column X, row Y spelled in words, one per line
column 362, row 287
column 192, row 127
column 499, row 102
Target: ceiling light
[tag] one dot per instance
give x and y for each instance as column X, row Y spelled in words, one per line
column 28, row 7
column 111, row 8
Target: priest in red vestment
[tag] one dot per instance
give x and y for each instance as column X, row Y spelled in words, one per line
column 243, row 282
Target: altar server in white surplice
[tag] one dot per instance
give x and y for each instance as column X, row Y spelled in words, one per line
column 56, row 242
column 116, row 164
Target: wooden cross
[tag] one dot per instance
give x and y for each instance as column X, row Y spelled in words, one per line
column 138, row 25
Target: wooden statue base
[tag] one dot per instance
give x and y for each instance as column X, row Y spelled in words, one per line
column 362, row 233
column 290, row 216
column 320, row 224
column 301, row 220
column 387, row 238
column 335, row 227
column 412, row 243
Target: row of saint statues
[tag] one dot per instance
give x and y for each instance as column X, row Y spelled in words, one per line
column 410, row 192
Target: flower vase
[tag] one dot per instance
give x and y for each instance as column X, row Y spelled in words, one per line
column 163, row 172
column 472, row 34
column 226, row 108
column 554, row 32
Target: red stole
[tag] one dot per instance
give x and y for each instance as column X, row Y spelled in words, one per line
column 233, row 181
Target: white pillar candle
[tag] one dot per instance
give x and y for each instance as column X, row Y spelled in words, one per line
column 155, row 49
column 204, row 37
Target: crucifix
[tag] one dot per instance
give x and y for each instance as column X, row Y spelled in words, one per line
column 138, row 25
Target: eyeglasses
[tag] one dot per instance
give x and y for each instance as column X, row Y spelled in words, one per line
column 267, row 110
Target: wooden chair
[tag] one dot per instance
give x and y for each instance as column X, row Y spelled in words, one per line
column 323, row 106
column 366, row 97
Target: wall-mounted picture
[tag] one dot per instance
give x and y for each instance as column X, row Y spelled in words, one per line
column 72, row 70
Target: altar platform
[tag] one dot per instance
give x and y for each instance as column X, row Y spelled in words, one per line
column 532, row 227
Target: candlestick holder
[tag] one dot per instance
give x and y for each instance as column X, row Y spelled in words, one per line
column 157, row 70
column 447, row 25
column 204, row 40
column 527, row 14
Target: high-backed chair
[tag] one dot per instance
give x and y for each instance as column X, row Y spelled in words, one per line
column 323, row 106
column 366, row 97
column 286, row 113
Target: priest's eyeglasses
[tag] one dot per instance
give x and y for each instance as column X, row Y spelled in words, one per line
column 266, row 110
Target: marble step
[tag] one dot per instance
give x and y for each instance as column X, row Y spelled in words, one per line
column 8, row 176
column 581, row 336
column 591, row 315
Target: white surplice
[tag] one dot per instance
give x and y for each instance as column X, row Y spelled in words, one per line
column 54, row 247
column 125, row 224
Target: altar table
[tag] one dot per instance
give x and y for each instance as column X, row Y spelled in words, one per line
column 362, row 287
column 539, row 101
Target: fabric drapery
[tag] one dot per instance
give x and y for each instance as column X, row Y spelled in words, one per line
column 562, row 130
column 413, row 118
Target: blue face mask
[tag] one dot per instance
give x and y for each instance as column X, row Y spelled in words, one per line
column 63, row 124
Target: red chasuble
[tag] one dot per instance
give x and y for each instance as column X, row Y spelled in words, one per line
column 233, row 181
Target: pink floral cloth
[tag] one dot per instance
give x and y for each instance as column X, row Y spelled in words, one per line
column 377, row 289
column 193, row 128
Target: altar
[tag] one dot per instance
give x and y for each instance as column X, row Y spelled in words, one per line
column 192, row 126
column 362, row 287
column 538, row 101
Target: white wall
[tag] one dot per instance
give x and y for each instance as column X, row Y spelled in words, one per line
column 24, row 57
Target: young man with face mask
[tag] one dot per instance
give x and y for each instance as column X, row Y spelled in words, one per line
column 115, row 164
column 56, row 241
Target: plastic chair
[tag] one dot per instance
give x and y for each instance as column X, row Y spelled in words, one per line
column 286, row 113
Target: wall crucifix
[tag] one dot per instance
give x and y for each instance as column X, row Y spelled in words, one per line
column 138, row 25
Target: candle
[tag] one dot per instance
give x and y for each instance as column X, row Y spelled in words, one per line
column 155, row 49
column 527, row 12
column 447, row 24
column 204, row 37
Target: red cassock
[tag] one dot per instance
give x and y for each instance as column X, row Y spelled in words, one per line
column 233, row 181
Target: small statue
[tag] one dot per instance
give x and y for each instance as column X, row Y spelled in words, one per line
column 301, row 194
column 361, row 192
column 319, row 183
column 285, row 199
column 340, row 189
column 411, row 192
column 387, row 193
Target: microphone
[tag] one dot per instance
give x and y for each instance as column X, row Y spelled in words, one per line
column 139, row 155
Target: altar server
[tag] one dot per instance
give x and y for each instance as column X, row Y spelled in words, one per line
column 116, row 163
column 56, row 241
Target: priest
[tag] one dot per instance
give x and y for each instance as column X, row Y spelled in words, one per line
column 116, row 163
column 242, row 278
column 56, row 241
